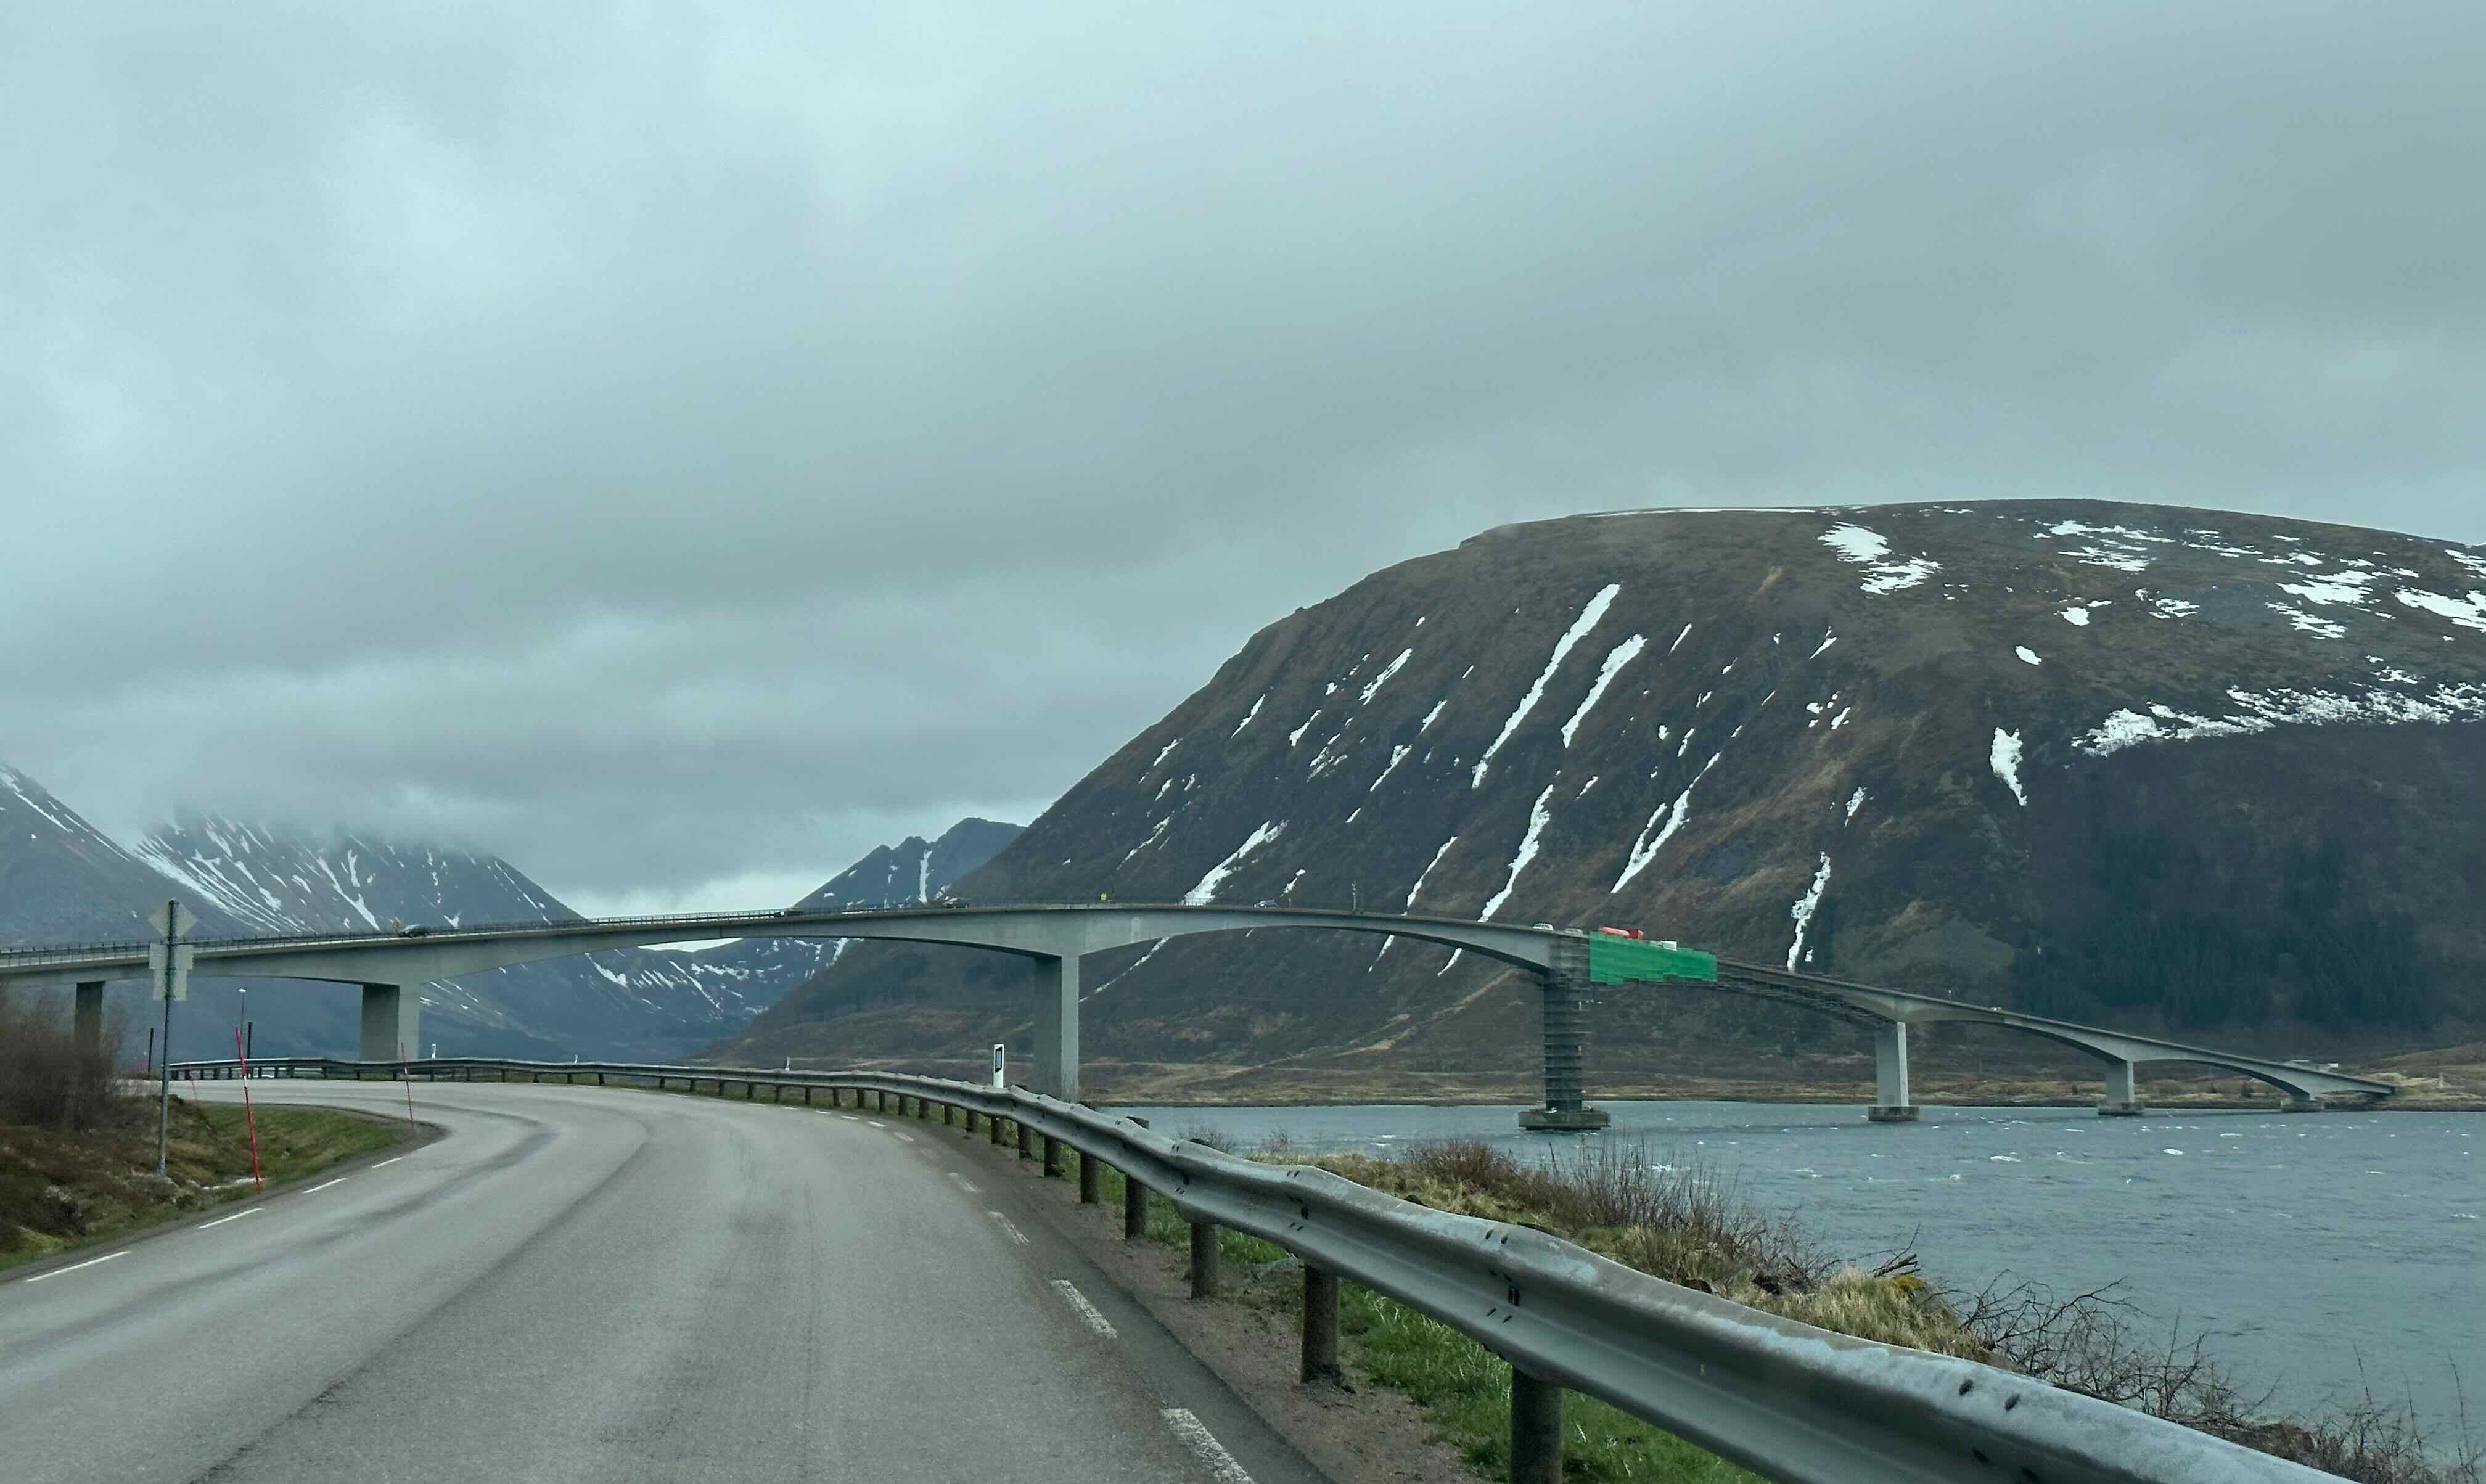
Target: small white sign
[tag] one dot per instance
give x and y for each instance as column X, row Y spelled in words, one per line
column 999, row 1047
column 185, row 957
column 179, row 924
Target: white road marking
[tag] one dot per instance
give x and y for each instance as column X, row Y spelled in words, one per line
column 1204, row 1447
column 391, row 1160
column 1080, row 1305
column 107, row 1258
column 236, row 1216
column 875, row 1123
column 317, row 1188
column 965, row 1184
column 909, row 1138
column 1016, row 1234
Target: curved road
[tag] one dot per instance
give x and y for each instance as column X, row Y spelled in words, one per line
column 577, row 1283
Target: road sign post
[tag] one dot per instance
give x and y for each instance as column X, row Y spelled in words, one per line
column 168, row 964
column 1000, row 1050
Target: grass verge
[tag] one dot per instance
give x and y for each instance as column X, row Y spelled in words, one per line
column 62, row 1190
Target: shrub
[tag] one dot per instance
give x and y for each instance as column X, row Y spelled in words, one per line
column 46, row 1080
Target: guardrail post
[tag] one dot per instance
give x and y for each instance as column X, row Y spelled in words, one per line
column 1535, row 1429
column 1026, row 1142
column 1052, row 1158
column 949, row 1115
column 1320, row 1327
column 1203, row 1260
column 1091, row 1186
column 995, row 1123
column 1135, row 1203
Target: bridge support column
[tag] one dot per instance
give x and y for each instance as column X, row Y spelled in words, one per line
column 1057, row 1028
column 1890, row 1103
column 86, row 1018
column 2122, row 1100
column 1566, row 1108
column 2300, row 1102
column 392, row 1021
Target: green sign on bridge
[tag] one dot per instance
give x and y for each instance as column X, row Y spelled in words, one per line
column 1618, row 960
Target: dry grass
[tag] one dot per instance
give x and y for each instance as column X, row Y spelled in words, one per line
column 1679, row 1219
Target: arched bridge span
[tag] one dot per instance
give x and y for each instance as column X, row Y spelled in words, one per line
column 387, row 966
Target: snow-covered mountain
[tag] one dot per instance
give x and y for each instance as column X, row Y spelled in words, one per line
column 65, row 881
column 2135, row 765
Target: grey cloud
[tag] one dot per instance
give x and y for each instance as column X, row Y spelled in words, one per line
column 670, row 445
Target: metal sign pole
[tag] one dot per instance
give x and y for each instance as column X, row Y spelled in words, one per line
column 172, row 977
column 164, row 1067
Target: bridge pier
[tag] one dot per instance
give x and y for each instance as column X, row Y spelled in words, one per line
column 86, row 1018
column 2121, row 1100
column 1566, row 1108
column 2300, row 1102
column 1057, row 1028
column 1890, row 1103
column 392, row 1022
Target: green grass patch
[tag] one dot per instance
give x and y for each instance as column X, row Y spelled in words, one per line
column 1462, row 1388
column 62, row 1190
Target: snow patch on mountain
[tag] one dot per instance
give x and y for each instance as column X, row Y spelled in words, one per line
column 1855, row 543
column 1579, row 630
column 1539, row 815
column 1206, row 891
column 2261, row 711
column 1804, row 909
column 2004, row 758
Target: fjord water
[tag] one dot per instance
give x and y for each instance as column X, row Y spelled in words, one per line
column 2327, row 1253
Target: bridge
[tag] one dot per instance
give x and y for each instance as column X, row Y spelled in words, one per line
column 390, row 968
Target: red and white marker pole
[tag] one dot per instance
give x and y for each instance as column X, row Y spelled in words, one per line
column 249, row 1119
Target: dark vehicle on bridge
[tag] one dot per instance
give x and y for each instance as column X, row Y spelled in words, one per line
column 418, row 930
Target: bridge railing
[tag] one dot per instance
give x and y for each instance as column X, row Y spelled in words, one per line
column 1785, row 1399
column 44, row 954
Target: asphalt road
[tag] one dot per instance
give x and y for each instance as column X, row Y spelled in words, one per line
column 575, row 1283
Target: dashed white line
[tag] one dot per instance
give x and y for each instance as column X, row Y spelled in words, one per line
column 875, row 1123
column 317, row 1188
column 965, row 1184
column 908, row 1137
column 107, row 1258
column 1204, row 1447
column 236, row 1216
column 386, row 1163
column 1080, row 1305
column 1009, row 1226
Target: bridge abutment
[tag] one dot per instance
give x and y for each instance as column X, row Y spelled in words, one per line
column 1566, row 1108
column 392, row 1022
column 1890, row 1103
column 2121, row 1100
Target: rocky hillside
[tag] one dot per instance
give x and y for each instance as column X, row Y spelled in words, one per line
column 68, row 882
column 2160, row 767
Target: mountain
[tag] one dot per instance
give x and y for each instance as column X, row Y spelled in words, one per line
column 68, row 882
column 63, row 881
column 2173, row 769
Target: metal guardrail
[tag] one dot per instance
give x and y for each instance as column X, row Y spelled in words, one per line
column 1785, row 1399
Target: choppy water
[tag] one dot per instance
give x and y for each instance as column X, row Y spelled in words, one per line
column 2310, row 1245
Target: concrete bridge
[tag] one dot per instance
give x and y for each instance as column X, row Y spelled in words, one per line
column 391, row 968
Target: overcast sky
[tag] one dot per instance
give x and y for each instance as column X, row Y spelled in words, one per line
column 681, row 447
